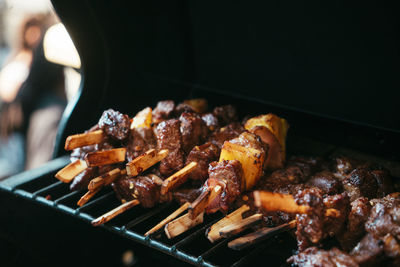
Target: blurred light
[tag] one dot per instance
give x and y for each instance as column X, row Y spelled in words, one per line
column 59, row 48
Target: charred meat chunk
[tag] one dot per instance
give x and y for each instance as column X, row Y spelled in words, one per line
column 360, row 183
column 343, row 166
column 211, row 121
column 193, row 129
column 314, row 257
column 385, row 216
column 369, row 251
column 140, row 140
column 368, row 181
column 336, row 225
column 247, row 139
column 115, row 124
column 360, row 209
column 226, row 114
column 183, row 108
column 163, row 111
column 183, row 195
column 144, row 188
column 310, row 227
column 327, row 182
column 229, row 175
column 169, row 137
column 226, row 133
column 203, row 155
column 81, row 181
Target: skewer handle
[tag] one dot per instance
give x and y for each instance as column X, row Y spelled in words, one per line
column 115, row 212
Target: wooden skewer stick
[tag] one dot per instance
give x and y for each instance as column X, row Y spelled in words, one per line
column 105, row 157
column 278, row 202
column 168, row 219
column 145, row 161
column 206, row 197
column 115, row 212
column 105, row 179
column 177, row 178
column 284, row 202
column 96, row 184
column 84, row 139
column 259, row 235
column 86, row 197
column 68, row 173
column 213, row 232
column 240, row 226
column 182, row 224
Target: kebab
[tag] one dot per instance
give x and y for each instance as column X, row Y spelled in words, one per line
column 228, row 173
column 302, row 174
column 142, row 119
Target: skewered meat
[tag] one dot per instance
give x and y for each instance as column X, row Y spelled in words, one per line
column 115, row 124
column 183, row 195
column 211, row 121
column 355, row 228
column 385, row 216
column 144, row 188
column 203, row 155
column 344, row 165
column 140, row 140
column 327, row 182
column 228, row 174
column 183, row 108
column 367, row 181
column 226, row 114
column 226, row 133
column 310, row 227
column 169, row 137
column 163, row 111
column 82, row 180
column 317, row 257
column 193, row 129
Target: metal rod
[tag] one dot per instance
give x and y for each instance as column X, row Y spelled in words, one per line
column 95, row 201
column 49, row 187
column 69, row 195
column 147, row 215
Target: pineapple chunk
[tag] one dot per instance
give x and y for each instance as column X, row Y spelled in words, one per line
column 142, row 119
column 272, row 130
column 251, row 159
column 199, row 105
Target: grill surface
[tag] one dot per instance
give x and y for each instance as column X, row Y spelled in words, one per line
column 191, row 247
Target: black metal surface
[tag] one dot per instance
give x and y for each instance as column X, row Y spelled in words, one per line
column 191, row 247
column 332, row 60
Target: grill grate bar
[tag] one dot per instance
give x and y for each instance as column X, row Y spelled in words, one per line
column 94, row 202
column 243, row 261
column 69, row 195
column 194, row 235
column 147, row 215
column 215, row 248
column 47, row 188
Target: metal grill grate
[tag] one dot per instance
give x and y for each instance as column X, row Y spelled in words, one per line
column 192, row 246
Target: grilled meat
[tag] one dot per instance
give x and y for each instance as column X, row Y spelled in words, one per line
column 169, row 137
column 115, row 124
column 203, row 155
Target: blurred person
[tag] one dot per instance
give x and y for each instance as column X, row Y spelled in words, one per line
column 33, row 101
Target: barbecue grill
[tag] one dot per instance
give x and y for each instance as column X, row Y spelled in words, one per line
column 330, row 69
